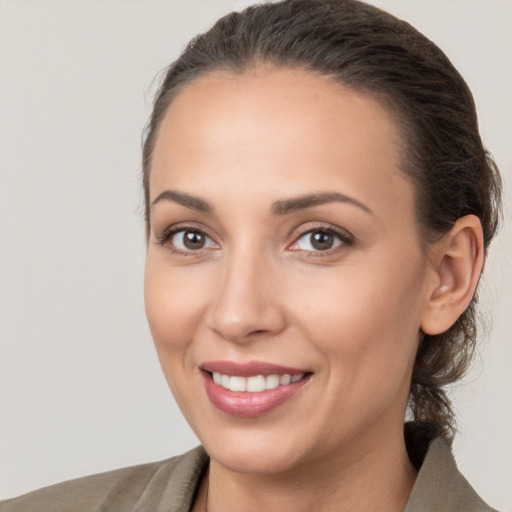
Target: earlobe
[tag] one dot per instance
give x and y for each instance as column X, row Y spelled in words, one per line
column 457, row 264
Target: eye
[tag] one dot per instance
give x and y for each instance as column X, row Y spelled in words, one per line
column 319, row 240
column 186, row 240
column 191, row 240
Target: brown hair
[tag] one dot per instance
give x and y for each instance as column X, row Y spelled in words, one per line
column 369, row 50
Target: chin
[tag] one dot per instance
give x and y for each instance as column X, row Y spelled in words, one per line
column 256, row 452
column 254, row 459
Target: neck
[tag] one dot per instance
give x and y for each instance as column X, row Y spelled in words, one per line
column 367, row 477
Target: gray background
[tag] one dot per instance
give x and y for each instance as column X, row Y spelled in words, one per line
column 81, row 390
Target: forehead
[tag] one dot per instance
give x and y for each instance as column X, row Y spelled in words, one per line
column 276, row 128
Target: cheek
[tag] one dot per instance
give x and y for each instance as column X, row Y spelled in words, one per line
column 364, row 320
column 174, row 301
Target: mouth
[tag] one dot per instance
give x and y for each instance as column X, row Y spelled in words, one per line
column 255, row 384
column 252, row 389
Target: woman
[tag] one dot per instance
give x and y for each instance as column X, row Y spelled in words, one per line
column 318, row 194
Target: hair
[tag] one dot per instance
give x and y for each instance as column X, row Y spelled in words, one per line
column 371, row 51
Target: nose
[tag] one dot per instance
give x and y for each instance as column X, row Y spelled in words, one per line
column 245, row 305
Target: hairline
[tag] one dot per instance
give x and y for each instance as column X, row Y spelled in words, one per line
column 385, row 100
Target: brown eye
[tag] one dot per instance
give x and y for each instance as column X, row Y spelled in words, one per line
column 320, row 240
column 191, row 240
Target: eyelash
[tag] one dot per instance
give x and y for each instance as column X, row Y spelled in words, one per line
column 173, row 230
column 344, row 237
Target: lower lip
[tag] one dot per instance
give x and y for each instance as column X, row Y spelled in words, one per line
column 249, row 405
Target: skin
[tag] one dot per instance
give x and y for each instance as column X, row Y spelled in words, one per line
column 258, row 291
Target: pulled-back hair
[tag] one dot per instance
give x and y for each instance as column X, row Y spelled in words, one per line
column 371, row 51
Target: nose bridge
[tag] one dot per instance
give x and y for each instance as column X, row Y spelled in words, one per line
column 245, row 302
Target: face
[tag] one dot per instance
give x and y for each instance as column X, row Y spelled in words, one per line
column 285, row 279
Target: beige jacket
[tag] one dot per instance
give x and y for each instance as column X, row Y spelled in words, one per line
column 170, row 486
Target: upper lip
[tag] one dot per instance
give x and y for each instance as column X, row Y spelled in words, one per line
column 249, row 369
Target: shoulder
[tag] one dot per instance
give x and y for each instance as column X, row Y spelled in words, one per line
column 441, row 486
column 164, row 485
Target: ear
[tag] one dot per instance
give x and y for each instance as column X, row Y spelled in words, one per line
column 457, row 261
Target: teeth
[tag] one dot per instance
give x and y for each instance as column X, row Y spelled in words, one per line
column 254, row 384
column 237, row 384
column 272, row 381
column 284, row 380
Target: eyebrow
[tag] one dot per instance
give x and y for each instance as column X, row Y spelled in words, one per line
column 309, row 200
column 281, row 207
column 191, row 202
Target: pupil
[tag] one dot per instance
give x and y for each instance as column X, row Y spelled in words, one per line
column 193, row 240
column 322, row 241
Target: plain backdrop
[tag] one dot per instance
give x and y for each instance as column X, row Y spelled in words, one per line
column 81, row 390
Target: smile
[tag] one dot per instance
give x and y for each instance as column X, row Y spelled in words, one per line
column 255, row 384
column 251, row 389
